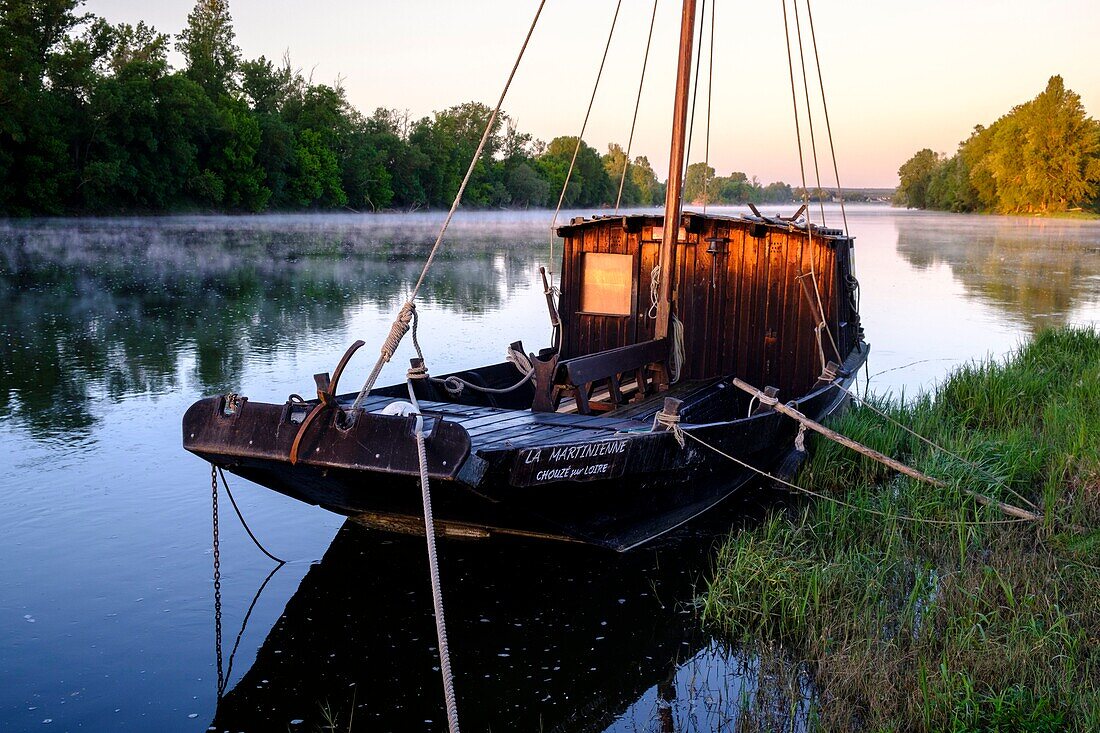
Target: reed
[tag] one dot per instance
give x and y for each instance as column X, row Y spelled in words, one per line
column 966, row 626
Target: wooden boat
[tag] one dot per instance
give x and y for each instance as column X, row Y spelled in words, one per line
column 590, row 445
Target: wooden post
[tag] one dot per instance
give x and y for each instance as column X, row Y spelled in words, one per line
column 881, row 458
column 674, row 191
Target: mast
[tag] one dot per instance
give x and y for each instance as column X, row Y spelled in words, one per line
column 674, row 190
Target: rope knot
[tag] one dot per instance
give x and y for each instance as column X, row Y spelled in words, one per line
column 417, row 372
column 800, row 439
column 398, row 329
column 669, row 423
column 766, row 399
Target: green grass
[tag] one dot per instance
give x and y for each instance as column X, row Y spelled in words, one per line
column 965, row 626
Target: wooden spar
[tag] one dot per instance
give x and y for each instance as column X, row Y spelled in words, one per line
column 667, row 258
column 875, row 455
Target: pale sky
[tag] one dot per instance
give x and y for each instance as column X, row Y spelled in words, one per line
column 899, row 76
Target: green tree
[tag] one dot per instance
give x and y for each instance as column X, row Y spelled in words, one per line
column 48, row 64
column 209, row 48
column 651, row 192
column 614, row 162
column 1059, row 160
column 699, row 179
column 589, row 185
column 315, row 178
column 234, row 159
column 915, row 175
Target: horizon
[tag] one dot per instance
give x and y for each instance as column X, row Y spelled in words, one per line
column 940, row 79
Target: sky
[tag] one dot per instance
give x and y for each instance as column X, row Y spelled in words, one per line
column 899, row 76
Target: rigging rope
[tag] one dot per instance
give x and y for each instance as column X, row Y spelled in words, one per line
column 637, row 104
column 580, row 141
column 400, row 325
column 828, row 127
column 797, row 124
column 809, row 111
column 710, row 94
column 694, row 94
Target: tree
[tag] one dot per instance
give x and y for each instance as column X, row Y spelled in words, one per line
column 651, row 192
column 207, row 45
column 315, row 179
column 589, row 185
column 699, row 184
column 1059, row 151
column 49, row 61
column 614, row 163
column 915, row 175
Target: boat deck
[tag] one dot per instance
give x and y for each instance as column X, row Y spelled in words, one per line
column 500, row 427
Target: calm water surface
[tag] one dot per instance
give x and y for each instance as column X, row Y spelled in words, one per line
column 110, row 328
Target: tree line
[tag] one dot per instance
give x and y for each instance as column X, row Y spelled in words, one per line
column 94, row 119
column 1041, row 157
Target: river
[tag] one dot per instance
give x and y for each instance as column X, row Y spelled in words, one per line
column 112, row 327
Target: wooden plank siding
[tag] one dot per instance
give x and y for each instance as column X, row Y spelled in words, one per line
column 743, row 307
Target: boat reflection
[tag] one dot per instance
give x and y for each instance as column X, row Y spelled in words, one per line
column 543, row 637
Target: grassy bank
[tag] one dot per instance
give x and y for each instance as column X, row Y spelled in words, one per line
column 959, row 622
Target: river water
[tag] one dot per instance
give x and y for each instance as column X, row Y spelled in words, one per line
column 110, row 328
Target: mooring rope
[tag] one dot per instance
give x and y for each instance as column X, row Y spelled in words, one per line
column 400, row 325
column 637, row 104
column 863, row 401
column 580, row 141
column 433, row 568
column 240, row 516
column 841, row 502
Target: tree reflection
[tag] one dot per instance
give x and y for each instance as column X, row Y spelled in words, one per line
column 94, row 309
column 1037, row 272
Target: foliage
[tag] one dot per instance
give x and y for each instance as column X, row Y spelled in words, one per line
column 971, row 624
column 94, row 119
column 1042, row 157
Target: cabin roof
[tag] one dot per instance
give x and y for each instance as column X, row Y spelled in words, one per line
column 693, row 221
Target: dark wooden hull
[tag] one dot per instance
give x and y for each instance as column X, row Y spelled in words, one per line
column 599, row 480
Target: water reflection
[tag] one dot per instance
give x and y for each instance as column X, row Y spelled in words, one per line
column 105, row 309
column 1041, row 273
column 110, row 328
column 542, row 637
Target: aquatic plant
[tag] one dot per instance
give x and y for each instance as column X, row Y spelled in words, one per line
column 941, row 615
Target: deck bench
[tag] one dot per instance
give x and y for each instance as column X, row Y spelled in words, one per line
column 647, row 362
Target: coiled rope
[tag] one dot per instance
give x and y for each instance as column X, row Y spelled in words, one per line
column 455, row 385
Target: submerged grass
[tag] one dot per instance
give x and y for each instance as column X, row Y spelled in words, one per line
column 966, row 626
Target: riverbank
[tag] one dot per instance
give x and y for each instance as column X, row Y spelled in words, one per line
column 1078, row 214
column 914, row 608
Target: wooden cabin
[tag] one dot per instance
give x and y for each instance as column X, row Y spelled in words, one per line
column 737, row 291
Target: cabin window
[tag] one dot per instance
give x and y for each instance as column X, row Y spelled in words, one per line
column 606, row 283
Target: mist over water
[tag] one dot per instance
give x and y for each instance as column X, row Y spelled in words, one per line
column 110, row 328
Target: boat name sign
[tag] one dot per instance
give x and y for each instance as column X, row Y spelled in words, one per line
column 580, row 462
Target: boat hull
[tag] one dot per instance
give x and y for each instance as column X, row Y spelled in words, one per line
column 617, row 488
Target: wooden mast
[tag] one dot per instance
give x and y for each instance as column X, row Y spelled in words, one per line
column 674, row 191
